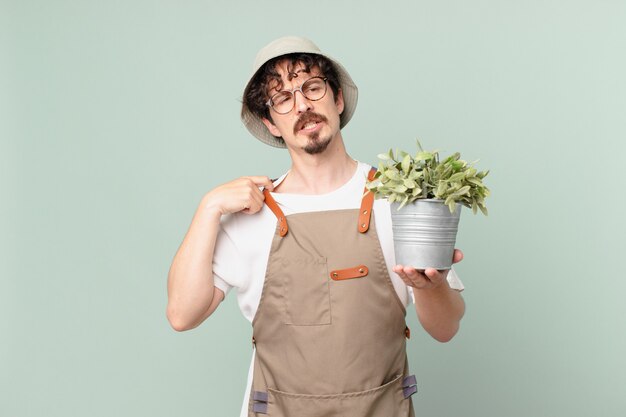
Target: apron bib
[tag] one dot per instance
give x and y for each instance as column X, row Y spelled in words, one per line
column 330, row 331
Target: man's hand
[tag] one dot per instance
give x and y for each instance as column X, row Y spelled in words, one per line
column 427, row 278
column 242, row 194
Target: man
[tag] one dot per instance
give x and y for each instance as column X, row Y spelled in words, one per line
column 311, row 259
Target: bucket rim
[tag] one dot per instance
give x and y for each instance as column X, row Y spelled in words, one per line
column 426, row 200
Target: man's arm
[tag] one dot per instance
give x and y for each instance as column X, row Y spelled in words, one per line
column 192, row 296
column 439, row 307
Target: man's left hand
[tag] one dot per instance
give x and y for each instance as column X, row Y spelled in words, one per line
column 425, row 278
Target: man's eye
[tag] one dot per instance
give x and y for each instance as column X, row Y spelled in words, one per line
column 313, row 87
column 281, row 98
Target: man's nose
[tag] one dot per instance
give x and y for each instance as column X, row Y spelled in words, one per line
column 302, row 103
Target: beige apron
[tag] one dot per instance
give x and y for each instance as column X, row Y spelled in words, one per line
column 329, row 330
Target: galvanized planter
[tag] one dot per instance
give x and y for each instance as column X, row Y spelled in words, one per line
column 424, row 233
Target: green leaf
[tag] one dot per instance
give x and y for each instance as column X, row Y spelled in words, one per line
column 406, row 163
column 424, row 156
column 463, row 190
column 456, row 165
column 414, row 175
column 399, row 188
column 441, row 188
column 457, row 177
column 475, row 181
column 452, row 206
column 392, row 174
column 453, row 187
column 409, row 183
column 404, row 201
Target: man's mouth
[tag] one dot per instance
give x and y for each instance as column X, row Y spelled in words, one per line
column 309, row 122
column 309, row 126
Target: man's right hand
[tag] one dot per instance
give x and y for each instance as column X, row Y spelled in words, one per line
column 240, row 195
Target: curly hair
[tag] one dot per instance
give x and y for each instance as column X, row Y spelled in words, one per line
column 256, row 95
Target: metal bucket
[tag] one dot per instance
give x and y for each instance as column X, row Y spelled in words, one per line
column 424, row 233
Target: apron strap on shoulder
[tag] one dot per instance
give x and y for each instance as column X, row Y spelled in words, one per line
column 367, row 202
column 282, row 222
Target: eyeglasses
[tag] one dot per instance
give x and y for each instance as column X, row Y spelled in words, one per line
column 312, row 89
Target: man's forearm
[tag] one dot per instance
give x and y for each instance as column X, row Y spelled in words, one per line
column 439, row 310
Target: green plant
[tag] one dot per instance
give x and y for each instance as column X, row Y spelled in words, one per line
column 403, row 178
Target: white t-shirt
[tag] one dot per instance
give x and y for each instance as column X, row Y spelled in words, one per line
column 244, row 241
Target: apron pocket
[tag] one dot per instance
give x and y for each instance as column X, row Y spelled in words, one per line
column 384, row 401
column 306, row 291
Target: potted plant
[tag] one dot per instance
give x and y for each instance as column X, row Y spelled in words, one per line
column 426, row 195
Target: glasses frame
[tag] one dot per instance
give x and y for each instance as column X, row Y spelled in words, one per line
column 270, row 102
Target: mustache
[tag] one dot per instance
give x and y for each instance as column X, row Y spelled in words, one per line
column 307, row 118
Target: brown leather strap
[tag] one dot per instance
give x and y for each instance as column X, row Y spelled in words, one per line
column 349, row 273
column 282, row 222
column 365, row 212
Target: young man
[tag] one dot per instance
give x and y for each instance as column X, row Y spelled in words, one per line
column 311, row 258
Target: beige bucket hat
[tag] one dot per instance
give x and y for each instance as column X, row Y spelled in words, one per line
column 288, row 45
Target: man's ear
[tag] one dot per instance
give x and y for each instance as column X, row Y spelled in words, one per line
column 271, row 127
column 339, row 101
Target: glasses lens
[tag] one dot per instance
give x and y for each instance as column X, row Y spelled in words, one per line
column 314, row 89
column 282, row 102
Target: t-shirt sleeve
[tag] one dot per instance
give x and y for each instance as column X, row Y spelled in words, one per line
column 454, row 281
column 221, row 284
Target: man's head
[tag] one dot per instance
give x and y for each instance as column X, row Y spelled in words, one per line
column 291, row 80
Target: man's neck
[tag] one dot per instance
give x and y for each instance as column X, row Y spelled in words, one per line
column 319, row 173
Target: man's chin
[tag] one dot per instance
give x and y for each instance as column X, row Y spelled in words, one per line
column 316, row 145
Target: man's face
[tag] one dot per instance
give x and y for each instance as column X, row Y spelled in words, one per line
column 310, row 126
